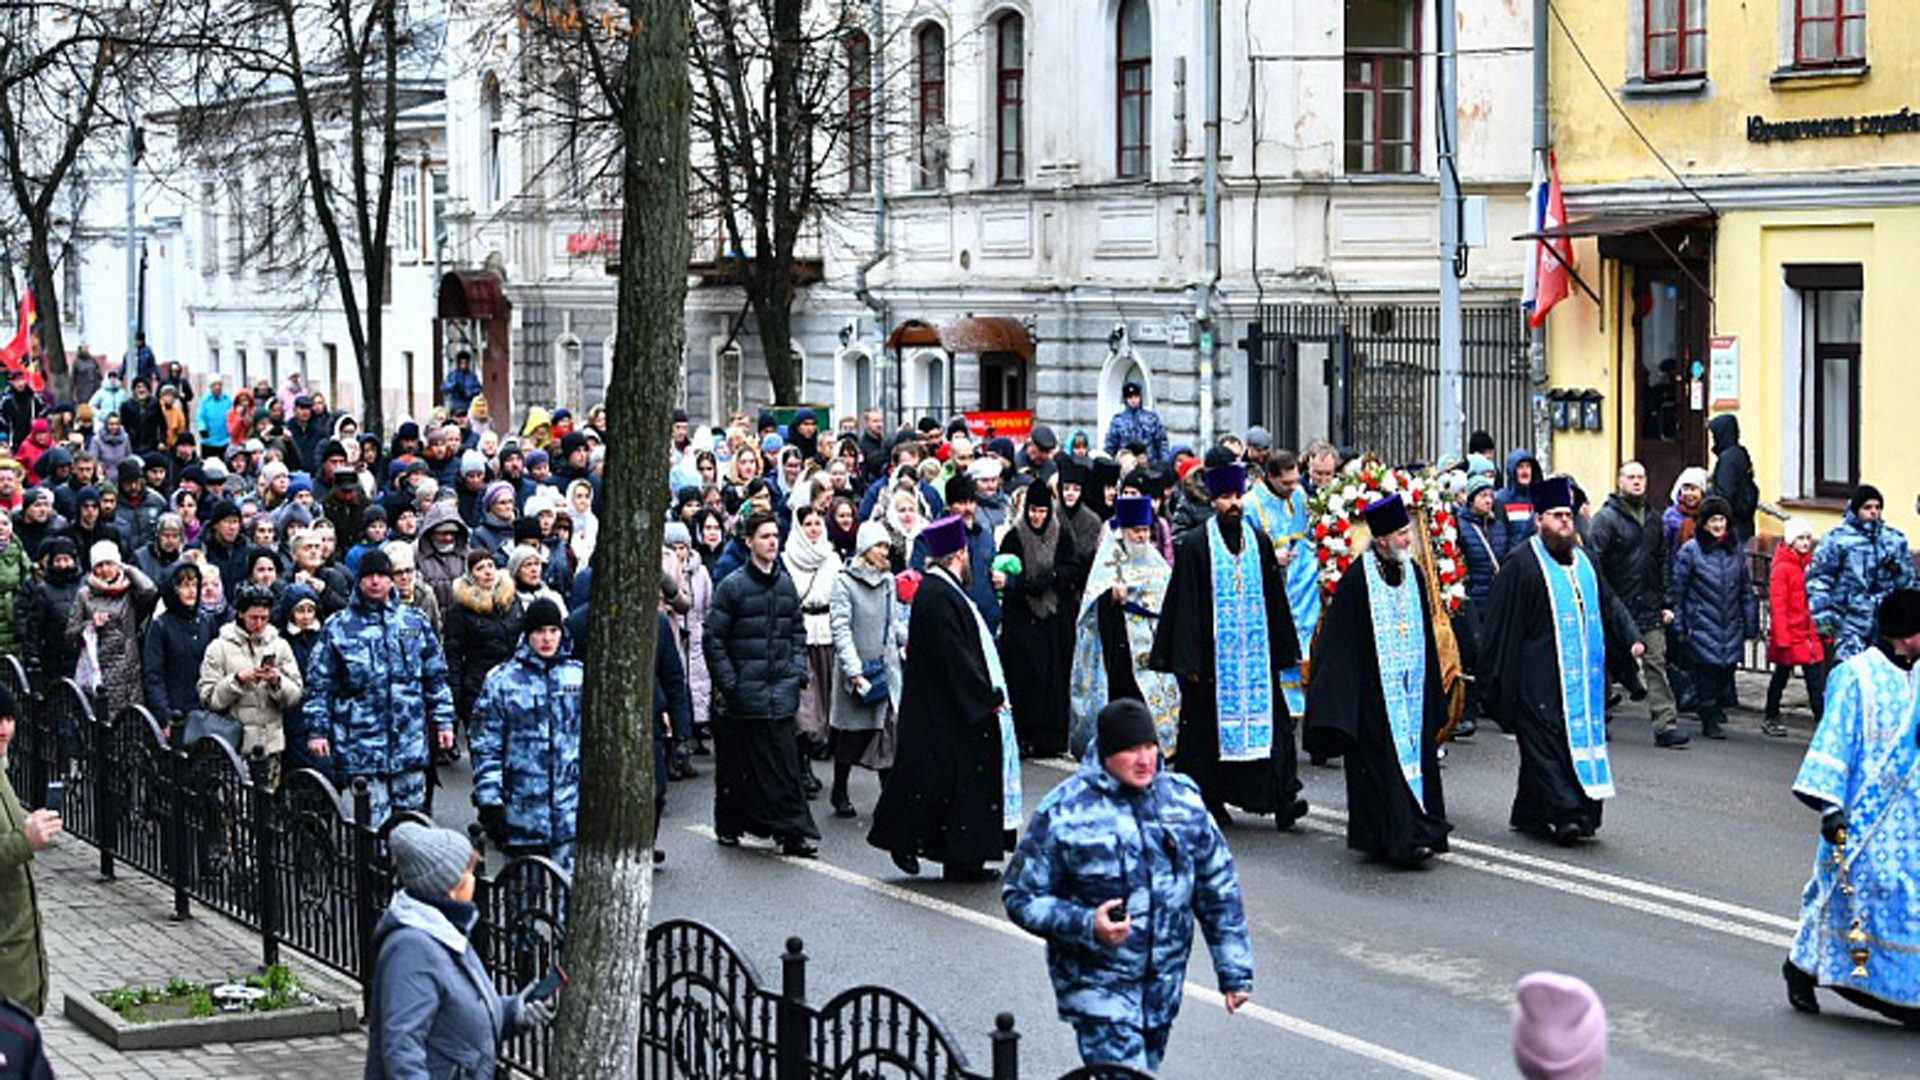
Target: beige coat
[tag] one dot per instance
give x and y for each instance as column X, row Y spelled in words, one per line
column 258, row 706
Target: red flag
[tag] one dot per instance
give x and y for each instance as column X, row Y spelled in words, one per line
column 15, row 351
column 1552, row 271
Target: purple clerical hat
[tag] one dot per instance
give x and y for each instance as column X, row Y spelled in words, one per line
column 1387, row 516
column 945, row 536
column 1552, row 493
column 1133, row 511
column 1229, row 479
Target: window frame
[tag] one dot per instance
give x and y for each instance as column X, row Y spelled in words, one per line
column 1837, row 21
column 406, row 200
column 1009, row 100
column 930, row 107
column 1376, row 90
column 1132, row 161
column 857, row 49
column 1682, row 30
column 1818, row 353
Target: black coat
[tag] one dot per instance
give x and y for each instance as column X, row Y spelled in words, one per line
column 756, row 645
column 482, row 630
column 176, row 643
column 40, row 626
column 1632, row 558
column 1733, row 474
column 943, row 798
column 1714, row 607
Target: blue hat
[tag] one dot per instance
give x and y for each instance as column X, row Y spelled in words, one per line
column 298, row 483
column 1133, row 511
column 1553, row 493
column 1387, row 516
column 1229, row 479
column 772, row 443
column 945, row 536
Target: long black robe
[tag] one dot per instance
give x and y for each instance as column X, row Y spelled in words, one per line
column 1037, row 653
column 1183, row 647
column 1347, row 715
column 942, row 800
column 1519, row 681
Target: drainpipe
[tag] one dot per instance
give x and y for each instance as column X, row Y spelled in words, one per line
column 1542, row 140
column 877, row 168
column 1210, row 188
column 1452, row 410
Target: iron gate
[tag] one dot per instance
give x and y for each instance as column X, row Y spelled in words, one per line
column 1367, row 376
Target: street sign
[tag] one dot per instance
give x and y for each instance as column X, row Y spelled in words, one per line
column 1724, row 356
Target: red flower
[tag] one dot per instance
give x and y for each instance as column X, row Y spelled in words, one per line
column 1325, row 556
column 1320, row 531
column 1344, row 561
column 1341, row 526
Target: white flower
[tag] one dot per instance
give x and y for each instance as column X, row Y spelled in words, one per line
column 1336, row 545
column 1336, row 503
column 1445, row 567
column 1390, row 482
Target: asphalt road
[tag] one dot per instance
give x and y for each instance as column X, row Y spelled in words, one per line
column 1679, row 914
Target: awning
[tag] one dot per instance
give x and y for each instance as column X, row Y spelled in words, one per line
column 913, row 332
column 1622, row 224
column 987, row 334
column 473, row 294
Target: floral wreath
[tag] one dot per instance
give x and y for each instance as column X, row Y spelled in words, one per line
column 1336, row 509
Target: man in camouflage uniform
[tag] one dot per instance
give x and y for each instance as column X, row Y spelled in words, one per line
column 1120, row 841
column 377, row 693
column 1136, row 424
column 526, row 743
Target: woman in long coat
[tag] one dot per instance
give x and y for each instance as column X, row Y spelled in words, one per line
column 1714, row 610
column 862, row 618
column 112, row 602
column 1036, row 627
column 813, row 565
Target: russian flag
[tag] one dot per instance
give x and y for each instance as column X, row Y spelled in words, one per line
column 1547, row 273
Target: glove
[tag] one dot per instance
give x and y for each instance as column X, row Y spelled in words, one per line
column 493, row 819
column 535, row 1014
column 1833, row 824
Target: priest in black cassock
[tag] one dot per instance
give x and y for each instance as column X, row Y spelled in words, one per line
column 1551, row 630
column 954, row 793
column 1374, row 696
column 1227, row 634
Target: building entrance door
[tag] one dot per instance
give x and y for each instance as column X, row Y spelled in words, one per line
column 1669, row 317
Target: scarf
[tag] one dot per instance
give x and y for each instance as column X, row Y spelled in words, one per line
column 1401, row 645
column 1243, row 681
column 1581, row 647
column 100, row 586
column 1036, row 557
column 805, row 560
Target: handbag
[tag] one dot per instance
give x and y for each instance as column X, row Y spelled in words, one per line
column 202, row 724
column 875, row 672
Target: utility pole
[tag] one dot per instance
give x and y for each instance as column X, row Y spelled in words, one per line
column 1452, row 409
column 1210, row 192
column 133, row 244
column 1542, row 135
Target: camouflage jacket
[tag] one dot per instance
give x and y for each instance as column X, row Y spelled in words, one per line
column 1093, row 840
column 526, row 746
column 376, row 689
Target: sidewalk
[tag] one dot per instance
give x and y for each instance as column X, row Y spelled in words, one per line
column 106, row 934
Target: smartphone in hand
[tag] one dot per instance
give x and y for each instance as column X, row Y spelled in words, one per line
column 56, row 797
column 549, row 984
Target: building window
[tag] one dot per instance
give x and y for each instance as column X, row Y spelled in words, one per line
column 438, row 178
column 859, row 111
column 1133, row 90
column 1829, row 33
column 1676, row 39
column 930, row 123
column 236, row 227
column 1832, row 344
column 1009, row 81
column 1382, row 86
column 728, row 397
column 407, row 181
column 493, row 134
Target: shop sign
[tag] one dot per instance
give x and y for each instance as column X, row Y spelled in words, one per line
column 1724, row 372
column 1762, row 130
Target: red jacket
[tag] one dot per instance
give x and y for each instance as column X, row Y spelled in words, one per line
column 1790, row 638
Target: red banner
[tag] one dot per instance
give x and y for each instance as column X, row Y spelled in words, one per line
column 987, row 425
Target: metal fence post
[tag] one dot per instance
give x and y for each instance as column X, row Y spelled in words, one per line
column 106, row 814
column 790, row 1033
column 365, row 912
column 1006, row 1048
column 266, row 826
column 182, row 844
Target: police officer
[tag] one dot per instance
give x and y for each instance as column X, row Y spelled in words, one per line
column 526, row 743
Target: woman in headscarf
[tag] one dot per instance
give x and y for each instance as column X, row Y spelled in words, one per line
column 709, row 533
column 586, row 526
column 813, row 565
column 904, row 515
column 843, row 525
column 1036, row 629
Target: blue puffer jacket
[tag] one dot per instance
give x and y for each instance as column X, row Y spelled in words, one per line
column 1484, row 539
column 1713, row 603
column 377, row 688
column 435, row 1013
column 1092, row 840
column 1853, row 569
column 526, row 746
column 1143, row 426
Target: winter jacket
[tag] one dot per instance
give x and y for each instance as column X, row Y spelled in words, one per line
column 1733, row 474
column 141, row 419
column 23, row 947
column 440, row 569
column 176, row 643
column 125, row 603
column 1093, row 839
column 1854, row 568
column 495, row 534
column 40, row 625
column 110, row 448
column 16, row 574
column 525, row 737
column 138, row 519
column 980, row 554
column 261, row 707
column 693, row 656
column 434, row 1013
column 862, row 619
column 1484, row 539
column 483, row 630
column 156, row 563
column 1713, row 604
column 1189, row 513
column 1791, row 638
column 1141, row 425
column 756, row 645
column 1629, row 548
column 1513, row 504
column 376, row 690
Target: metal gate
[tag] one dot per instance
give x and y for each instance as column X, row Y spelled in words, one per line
column 1367, row 376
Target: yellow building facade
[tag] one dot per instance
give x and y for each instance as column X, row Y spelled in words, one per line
column 1743, row 189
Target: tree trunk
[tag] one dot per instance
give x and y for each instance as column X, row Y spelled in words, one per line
column 47, row 303
column 613, row 885
column 773, row 317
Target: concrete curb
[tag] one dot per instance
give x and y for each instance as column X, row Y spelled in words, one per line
column 295, row 1022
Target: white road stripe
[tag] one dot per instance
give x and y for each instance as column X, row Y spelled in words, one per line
column 1271, row 1017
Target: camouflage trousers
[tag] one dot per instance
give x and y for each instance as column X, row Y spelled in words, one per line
column 398, row 791
column 1111, row 1043
column 560, row 855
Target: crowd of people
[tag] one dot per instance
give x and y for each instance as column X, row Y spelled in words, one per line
column 936, row 603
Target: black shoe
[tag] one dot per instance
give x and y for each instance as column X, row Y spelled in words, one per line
column 842, row 806
column 1772, row 726
column 969, row 875
column 1712, row 729
column 1566, row 834
column 810, row 784
column 1671, row 739
column 799, row 847
column 1320, row 762
column 727, row 839
column 700, row 748
column 659, row 856
column 908, row 863
column 1415, row 857
column 1800, row 986
column 1286, row 818
column 1220, row 815
column 1466, row 728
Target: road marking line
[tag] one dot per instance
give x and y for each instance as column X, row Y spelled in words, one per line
column 1339, row 1040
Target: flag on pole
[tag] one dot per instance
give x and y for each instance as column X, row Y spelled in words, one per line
column 1548, row 273
column 17, row 354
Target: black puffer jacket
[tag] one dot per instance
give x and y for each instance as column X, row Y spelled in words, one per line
column 1631, row 556
column 756, row 645
column 1713, row 603
column 483, row 629
column 1733, row 474
column 176, row 643
column 40, row 625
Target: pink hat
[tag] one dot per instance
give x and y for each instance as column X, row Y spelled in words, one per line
column 1559, row 1028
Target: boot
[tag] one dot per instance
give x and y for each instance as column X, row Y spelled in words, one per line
column 842, row 806
column 1800, row 987
column 1710, row 727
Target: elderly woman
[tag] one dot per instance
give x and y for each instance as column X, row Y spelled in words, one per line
column 111, row 605
column 866, row 653
column 433, row 1010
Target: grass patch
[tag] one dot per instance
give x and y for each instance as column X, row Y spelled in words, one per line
column 183, row 999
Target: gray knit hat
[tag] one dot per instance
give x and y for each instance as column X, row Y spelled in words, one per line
column 430, row 861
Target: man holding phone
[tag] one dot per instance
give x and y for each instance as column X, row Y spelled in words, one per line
column 23, row 974
column 1116, row 866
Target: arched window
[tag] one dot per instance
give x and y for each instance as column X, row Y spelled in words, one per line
column 1133, row 90
column 859, row 111
column 930, row 119
column 1009, row 82
column 491, row 132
